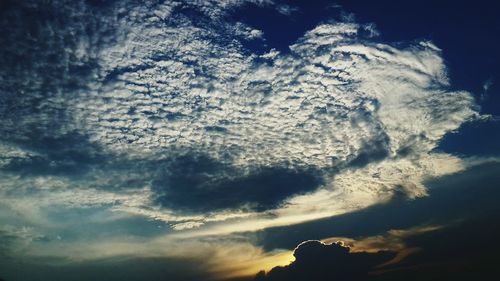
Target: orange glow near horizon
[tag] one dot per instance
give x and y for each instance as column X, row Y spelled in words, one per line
column 250, row 267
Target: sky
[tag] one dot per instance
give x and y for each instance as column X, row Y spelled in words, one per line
column 254, row 140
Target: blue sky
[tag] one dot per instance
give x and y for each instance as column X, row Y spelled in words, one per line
column 212, row 140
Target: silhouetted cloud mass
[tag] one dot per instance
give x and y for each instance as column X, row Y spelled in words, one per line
column 317, row 261
column 465, row 247
column 463, row 251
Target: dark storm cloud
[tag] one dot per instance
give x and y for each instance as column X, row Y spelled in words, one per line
column 316, row 261
column 197, row 183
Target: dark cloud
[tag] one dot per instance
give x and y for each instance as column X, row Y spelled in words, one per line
column 192, row 182
column 197, row 183
column 371, row 152
column 67, row 154
column 317, row 261
column 463, row 251
column 471, row 193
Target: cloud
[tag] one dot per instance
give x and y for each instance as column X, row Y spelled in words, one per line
column 68, row 154
column 334, row 104
column 287, row 10
column 315, row 260
column 201, row 184
column 216, row 258
column 475, row 188
column 486, row 86
column 158, row 110
column 432, row 252
column 393, row 241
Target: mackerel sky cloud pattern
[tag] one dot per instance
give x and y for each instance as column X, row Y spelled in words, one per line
column 161, row 118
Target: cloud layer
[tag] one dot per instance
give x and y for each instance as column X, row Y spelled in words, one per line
column 158, row 112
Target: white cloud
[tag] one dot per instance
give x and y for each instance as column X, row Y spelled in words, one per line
column 366, row 114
